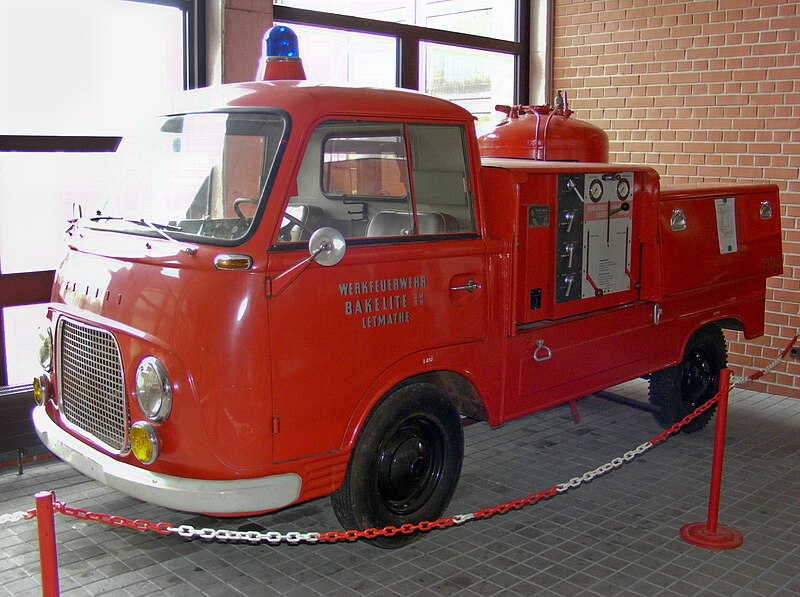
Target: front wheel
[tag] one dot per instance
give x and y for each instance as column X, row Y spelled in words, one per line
column 679, row 390
column 405, row 465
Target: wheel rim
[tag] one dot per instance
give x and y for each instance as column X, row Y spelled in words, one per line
column 698, row 381
column 410, row 464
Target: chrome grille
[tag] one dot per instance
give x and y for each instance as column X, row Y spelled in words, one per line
column 92, row 385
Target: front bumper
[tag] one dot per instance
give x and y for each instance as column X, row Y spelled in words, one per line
column 177, row 493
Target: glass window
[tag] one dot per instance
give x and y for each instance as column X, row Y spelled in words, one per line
column 474, row 79
column 441, row 180
column 347, row 56
column 491, row 18
column 86, row 67
column 194, row 177
column 21, row 344
column 467, row 51
column 365, row 167
column 37, row 191
column 350, row 172
column 355, row 177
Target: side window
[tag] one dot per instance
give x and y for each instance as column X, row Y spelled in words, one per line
column 381, row 180
column 352, row 172
column 369, row 167
column 441, row 179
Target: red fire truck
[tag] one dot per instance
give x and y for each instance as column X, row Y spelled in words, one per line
column 300, row 290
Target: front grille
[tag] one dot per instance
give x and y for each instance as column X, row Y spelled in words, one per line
column 92, row 385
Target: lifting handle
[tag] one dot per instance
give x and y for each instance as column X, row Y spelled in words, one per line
column 542, row 353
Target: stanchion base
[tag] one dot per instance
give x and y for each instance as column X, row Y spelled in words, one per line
column 697, row 534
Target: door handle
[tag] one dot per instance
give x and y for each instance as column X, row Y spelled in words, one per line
column 469, row 287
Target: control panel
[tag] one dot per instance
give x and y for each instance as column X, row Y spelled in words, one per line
column 593, row 235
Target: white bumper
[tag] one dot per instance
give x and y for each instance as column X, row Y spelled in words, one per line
column 177, row 493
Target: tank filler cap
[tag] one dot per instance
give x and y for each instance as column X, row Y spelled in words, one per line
column 281, row 56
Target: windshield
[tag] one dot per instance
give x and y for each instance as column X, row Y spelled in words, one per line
column 196, row 177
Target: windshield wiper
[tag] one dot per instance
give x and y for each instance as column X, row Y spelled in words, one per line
column 160, row 229
column 157, row 227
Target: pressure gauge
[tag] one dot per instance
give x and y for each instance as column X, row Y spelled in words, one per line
column 595, row 190
column 623, row 188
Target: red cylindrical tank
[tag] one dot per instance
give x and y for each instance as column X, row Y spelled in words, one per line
column 544, row 133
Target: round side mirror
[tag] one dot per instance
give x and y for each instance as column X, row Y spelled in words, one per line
column 327, row 246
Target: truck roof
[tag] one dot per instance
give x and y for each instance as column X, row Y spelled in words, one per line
column 314, row 100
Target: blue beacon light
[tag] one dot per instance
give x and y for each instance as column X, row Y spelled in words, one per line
column 281, row 41
column 281, row 59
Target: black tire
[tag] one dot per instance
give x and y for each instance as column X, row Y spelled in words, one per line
column 405, row 464
column 679, row 390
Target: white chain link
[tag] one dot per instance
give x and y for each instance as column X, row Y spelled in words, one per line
column 224, row 535
column 604, row 468
column 737, row 380
column 15, row 517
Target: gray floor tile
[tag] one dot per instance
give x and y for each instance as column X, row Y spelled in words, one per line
column 617, row 535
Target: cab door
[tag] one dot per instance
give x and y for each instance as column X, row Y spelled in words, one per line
column 413, row 277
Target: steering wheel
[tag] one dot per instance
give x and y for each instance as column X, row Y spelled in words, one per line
column 285, row 233
column 237, row 206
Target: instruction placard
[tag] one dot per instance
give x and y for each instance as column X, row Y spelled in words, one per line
column 726, row 225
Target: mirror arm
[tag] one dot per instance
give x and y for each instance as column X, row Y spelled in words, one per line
column 280, row 282
column 326, row 246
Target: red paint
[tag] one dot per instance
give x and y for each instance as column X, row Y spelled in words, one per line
column 269, row 384
column 711, row 535
column 48, row 555
column 544, row 134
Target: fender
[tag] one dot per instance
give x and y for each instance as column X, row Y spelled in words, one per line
column 425, row 363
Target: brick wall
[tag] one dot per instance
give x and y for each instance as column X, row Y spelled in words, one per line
column 702, row 90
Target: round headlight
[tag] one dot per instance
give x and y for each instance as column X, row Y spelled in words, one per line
column 153, row 389
column 45, row 350
column 144, row 442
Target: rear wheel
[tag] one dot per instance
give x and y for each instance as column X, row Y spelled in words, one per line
column 405, row 465
column 679, row 390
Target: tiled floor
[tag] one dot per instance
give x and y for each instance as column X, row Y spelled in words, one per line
column 617, row 535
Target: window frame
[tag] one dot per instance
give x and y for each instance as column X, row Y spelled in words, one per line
column 410, row 202
column 409, row 38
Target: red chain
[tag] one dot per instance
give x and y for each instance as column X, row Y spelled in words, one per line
column 441, row 523
column 163, row 528
column 664, row 435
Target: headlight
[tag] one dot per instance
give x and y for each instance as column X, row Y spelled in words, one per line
column 153, row 389
column 45, row 352
column 144, row 442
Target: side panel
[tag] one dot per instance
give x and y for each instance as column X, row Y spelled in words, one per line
column 580, row 320
column 576, row 356
column 335, row 330
column 725, row 235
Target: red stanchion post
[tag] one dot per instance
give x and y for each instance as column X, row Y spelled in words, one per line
column 710, row 534
column 48, row 556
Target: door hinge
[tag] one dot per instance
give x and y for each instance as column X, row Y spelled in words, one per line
column 276, row 425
